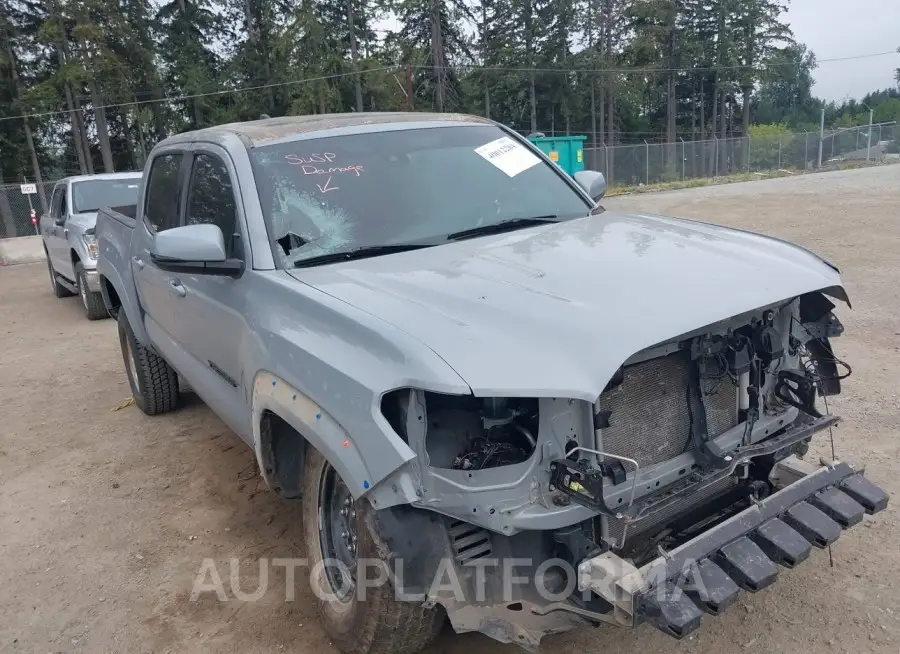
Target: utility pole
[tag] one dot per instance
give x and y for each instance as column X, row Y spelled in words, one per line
column 409, row 87
column 869, row 137
column 437, row 49
column 354, row 56
column 821, row 134
column 31, row 212
column 647, row 158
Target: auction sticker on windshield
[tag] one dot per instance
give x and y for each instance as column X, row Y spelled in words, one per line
column 508, row 156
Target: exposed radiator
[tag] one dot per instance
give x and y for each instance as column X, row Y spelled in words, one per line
column 649, row 420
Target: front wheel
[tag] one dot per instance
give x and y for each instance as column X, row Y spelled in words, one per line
column 339, row 532
column 94, row 309
column 154, row 383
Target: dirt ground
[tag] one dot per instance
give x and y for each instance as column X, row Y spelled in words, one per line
column 106, row 515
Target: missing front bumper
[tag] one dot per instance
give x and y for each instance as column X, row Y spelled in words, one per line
column 707, row 573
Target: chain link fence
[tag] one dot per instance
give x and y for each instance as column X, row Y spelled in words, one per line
column 15, row 209
column 626, row 165
column 650, row 163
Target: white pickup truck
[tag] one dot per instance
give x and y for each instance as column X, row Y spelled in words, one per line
column 68, row 233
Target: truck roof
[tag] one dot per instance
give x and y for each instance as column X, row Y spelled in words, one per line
column 131, row 174
column 257, row 132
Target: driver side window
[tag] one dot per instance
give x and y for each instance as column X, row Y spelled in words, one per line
column 58, row 202
column 54, row 202
column 161, row 204
column 211, row 200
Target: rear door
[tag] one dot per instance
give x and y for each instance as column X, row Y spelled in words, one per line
column 208, row 321
column 55, row 239
column 46, row 223
column 65, row 268
column 162, row 206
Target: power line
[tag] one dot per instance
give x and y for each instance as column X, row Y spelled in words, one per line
column 200, row 95
column 621, row 71
column 654, row 69
column 470, row 67
column 644, row 69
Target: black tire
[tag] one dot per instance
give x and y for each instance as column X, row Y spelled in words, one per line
column 94, row 309
column 153, row 382
column 379, row 623
column 58, row 291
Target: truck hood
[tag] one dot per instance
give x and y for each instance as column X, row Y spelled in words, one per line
column 554, row 310
column 83, row 221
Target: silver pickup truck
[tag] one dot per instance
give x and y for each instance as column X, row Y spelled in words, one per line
column 498, row 403
column 67, row 231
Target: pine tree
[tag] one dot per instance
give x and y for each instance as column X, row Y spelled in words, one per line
column 19, row 24
column 432, row 39
column 190, row 64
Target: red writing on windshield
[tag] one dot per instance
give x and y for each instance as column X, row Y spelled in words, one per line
column 309, row 164
column 298, row 160
column 309, row 169
column 327, row 186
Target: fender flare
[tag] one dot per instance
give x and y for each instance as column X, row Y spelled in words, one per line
column 318, row 428
column 132, row 312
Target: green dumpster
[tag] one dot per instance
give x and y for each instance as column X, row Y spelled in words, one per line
column 565, row 151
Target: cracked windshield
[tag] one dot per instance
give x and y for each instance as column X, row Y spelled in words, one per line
column 400, row 187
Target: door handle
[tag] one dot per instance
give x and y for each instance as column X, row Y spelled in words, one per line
column 177, row 288
column 138, row 262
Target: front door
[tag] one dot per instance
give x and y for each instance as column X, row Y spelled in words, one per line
column 162, row 210
column 209, row 324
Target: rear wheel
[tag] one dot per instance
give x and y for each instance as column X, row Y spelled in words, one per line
column 58, row 291
column 153, row 382
column 94, row 309
column 338, row 532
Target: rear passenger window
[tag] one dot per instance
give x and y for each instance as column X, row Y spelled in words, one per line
column 211, row 198
column 161, row 203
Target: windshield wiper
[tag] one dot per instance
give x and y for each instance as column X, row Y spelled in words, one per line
column 503, row 226
column 360, row 253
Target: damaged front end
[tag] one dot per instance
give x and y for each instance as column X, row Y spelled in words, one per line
column 681, row 484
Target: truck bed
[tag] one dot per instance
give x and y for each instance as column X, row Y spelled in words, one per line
column 125, row 211
column 114, row 229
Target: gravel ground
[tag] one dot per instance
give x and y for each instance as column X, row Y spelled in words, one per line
column 106, row 515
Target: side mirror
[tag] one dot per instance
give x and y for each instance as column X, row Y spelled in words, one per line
column 59, row 221
column 592, row 182
column 197, row 249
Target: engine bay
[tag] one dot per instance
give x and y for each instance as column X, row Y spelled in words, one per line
column 679, row 429
column 747, row 400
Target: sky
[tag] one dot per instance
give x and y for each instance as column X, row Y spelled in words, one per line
column 837, row 28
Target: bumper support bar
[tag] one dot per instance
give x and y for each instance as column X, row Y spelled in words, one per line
column 704, row 574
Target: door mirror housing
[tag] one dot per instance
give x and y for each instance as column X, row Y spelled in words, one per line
column 59, row 221
column 197, row 249
column 593, row 182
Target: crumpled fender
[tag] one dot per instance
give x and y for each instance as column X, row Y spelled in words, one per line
column 313, row 423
